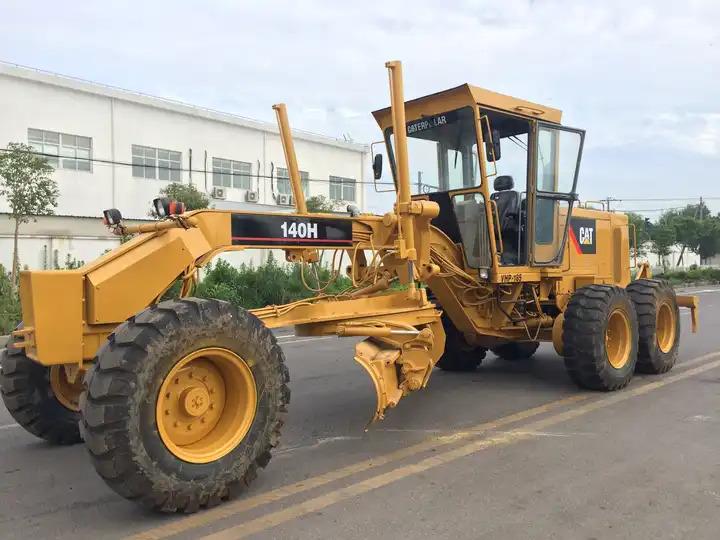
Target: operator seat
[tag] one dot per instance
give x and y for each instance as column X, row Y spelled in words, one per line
column 508, row 208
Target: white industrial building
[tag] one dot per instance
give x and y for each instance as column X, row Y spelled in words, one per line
column 117, row 149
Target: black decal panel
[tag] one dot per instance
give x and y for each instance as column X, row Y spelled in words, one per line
column 582, row 235
column 430, row 122
column 290, row 230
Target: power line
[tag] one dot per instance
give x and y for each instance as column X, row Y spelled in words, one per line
column 641, row 210
column 110, row 162
column 198, row 171
column 669, row 199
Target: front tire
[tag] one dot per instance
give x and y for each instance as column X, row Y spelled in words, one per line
column 516, row 350
column 184, row 403
column 458, row 354
column 28, row 391
column 658, row 325
column 600, row 337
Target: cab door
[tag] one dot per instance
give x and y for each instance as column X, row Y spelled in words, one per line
column 556, row 162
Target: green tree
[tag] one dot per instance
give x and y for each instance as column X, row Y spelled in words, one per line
column 708, row 239
column 662, row 239
column 696, row 230
column 30, row 191
column 639, row 228
column 319, row 203
column 193, row 198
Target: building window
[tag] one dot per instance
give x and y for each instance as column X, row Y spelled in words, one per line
column 64, row 151
column 156, row 163
column 342, row 189
column 229, row 173
column 283, row 182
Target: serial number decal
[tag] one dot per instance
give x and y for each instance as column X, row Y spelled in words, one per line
column 288, row 230
column 299, row 230
column 511, row 278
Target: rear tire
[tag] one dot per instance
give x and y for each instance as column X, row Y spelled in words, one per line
column 516, row 350
column 29, row 398
column 458, row 354
column 600, row 337
column 658, row 325
column 139, row 451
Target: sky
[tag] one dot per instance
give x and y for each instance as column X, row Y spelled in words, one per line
column 641, row 77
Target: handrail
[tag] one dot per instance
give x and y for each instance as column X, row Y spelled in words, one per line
column 497, row 224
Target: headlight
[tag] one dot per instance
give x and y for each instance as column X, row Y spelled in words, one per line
column 161, row 205
column 112, row 217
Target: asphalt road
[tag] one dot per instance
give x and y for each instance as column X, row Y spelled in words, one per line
column 511, row 451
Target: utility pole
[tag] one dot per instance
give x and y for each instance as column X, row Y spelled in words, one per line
column 701, row 209
column 419, row 182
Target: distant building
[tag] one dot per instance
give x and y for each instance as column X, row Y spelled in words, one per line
column 673, row 258
column 117, row 149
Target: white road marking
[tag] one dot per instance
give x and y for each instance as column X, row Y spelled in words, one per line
column 285, row 336
column 318, row 442
column 303, row 340
column 9, row 426
column 546, row 433
column 700, row 418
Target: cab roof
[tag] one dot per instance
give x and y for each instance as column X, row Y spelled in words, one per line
column 465, row 95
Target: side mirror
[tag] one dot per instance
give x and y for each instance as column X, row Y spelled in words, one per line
column 377, row 166
column 492, row 149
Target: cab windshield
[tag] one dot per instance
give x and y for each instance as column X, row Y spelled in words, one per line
column 442, row 151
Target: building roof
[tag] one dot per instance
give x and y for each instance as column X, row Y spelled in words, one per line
column 80, row 85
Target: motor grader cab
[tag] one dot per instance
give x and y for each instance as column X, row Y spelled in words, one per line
column 180, row 401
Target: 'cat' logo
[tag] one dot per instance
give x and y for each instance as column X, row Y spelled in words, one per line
column 586, row 236
column 582, row 235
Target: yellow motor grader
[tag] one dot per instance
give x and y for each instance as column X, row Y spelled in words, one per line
column 180, row 401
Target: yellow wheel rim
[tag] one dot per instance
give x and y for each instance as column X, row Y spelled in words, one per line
column 206, row 405
column 665, row 327
column 617, row 339
column 66, row 392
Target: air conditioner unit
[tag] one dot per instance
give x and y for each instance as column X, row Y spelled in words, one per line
column 252, row 196
column 284, row 199
column 219, row 192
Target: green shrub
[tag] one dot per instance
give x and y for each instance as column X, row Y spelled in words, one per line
column 253, row 287
column 10, row 312
column 694, row 274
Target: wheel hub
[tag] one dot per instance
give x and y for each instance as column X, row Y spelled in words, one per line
column 206, row 405
column 195, row 401
column 665, row 327
column 617, row 339
column 67, row 392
